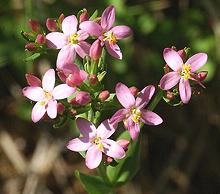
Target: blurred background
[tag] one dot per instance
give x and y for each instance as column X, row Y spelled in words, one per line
column 181, row 156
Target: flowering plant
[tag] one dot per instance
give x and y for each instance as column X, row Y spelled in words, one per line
column 82, row 96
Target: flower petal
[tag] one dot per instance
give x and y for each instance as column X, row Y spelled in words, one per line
column 66, row 56
column 48, row 80
column 33, row 80
column 150, row 118
column 185, row 90
column 133, row 128
column 93, row 157
column 79, row 144
column 69, row 25
column 144, row 96
column 119, row 116
column 113, row 149
column 108, row 17
column 91, row 28
column 33, row 93
column 82, row 48
column 114, row 50
column 38, row 112
column 121, row 31
column 197, row 61
column 52, row 109
column 105, row 129
column 56, row 40
column 124, row 95
column 62, row 91
column 169, row 80
column 172, row 58
column 82, row 35
column 87, row 129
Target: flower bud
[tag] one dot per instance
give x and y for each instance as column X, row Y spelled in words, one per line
column 51, row 24
column 61, row 18
column 73, row 102
column 95, row 51
column 84, row 16
column 182, row 54
column 41, row 39
column 30, row 47
column 109, row 160
column 60, row 108
column 34, row 25
column 61, row 75
column 123, row 143
column 104, row 95
column 83, row 98
column 93, row 79
column 133, row 90
column 169, row 95
column 33, row 80
column 202, row 75
column 74, row 79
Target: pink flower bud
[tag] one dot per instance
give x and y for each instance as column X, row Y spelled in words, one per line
column 123, row 143
column 61, row 75
column 95, row 51
column 133, row 90
column 51, row 24
column 83, row 98
column 30, row 47
column 33, row 80
column 104, row 95
column 202, row 75
column 182, row 54
column 109, row 160
column 60, row 108
column 93, row 79
column 84, row 16
column 169, row 95
column 73, row 102
column 74, row 79
column 34, row 25
column 61, row 18
column 41, row 39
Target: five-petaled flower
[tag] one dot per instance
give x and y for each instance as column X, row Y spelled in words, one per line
column 70, row 42
column 96, row 141
column 133, row 112
column 182, row 72
column 46, row 96
column 106, row 33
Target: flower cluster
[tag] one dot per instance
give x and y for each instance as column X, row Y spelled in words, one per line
column 81, row 96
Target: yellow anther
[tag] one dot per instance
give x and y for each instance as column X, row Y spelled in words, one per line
column 110, row 37
column 43, row 103
column 136, row 115
column 73, row 38
column 98, row 142
column 47, row 95
column 185, row 73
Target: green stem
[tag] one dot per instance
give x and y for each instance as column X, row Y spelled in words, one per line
column 102, row 172
column 156, row 100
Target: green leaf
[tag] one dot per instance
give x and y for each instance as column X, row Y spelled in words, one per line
column 33, row 57
column 93, row 184
column 94, row 15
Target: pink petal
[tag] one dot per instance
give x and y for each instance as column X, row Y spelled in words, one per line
column 62, row 91
column 79, row 144
column 124, row 95
column 70, row 68
column 33, row 93
column 108, row 18
column 133, row 128
column 150, row 118
column 48, row 80
column 69, row 25
column 144, row 96
column 185, row 90
column 82, row 48
column 113, row 50
column 169, row 80
column 91, row 28
column 121, row 32
column 172, row 58
column 38, row 112
column 82, row 35
column 93, row 157
column 113, row 149
column 33, row 80
column 105, row 129
column 66, row 56
column 52, row 109
column 87, row 129
column 197, row 61
column 56, row 40
column 119, row 116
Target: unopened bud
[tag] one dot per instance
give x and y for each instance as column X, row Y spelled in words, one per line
column 60, row 108
column 123, row 143
column 169, row 95
column 74, row 79
column 202, row 75
column 33, row 80
column 182, row 54
column 34, row 25
column 84, row 16
column 83, row 98
column 73, row 102
column 93, row 79
column 104, row 95
column 133, row 90
column 61, row 75
column 30, row 47
column 95, row 51
column 51, row 24
column 41, row 39
column 61, row 18
column 109, row 160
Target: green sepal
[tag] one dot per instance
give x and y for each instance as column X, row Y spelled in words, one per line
column 94, row 15
column 60, row 121
column 32, row 57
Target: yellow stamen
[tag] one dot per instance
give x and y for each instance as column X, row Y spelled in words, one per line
column 136, row 115
column 185, row 73
column 73, row 38
column 43, row 103
column 98, row 142
column 110, row 37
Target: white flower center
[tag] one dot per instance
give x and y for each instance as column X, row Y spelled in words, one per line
column 47, row 96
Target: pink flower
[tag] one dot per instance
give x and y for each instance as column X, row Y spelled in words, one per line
column 70, row 42
column 182, row 72
column 46, row 96
column 106, row 33
column 133, row 112
column 95, row 141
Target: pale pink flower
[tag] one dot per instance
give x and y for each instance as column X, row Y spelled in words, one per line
column 133, row 112
column 106, row 33
column 182, row 72
column 47, row 96
column 70, row 42
column 95, row 141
